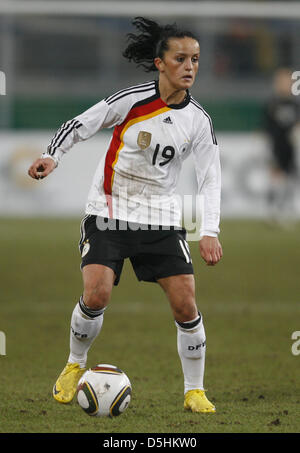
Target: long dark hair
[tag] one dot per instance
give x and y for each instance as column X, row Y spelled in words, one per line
column 151, row 41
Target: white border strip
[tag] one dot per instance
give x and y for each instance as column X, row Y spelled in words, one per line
column 269, row 9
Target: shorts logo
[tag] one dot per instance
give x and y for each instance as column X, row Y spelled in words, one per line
column 144, row 139
column 85, row 249
column 186, row 250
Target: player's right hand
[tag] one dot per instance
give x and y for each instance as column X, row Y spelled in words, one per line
column 41, row 168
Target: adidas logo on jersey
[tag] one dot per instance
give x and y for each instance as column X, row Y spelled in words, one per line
column 168, row 120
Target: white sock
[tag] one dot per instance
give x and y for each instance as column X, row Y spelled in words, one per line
column 191, row 346
column 85, row 327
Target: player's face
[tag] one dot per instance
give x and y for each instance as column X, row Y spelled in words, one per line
column 180, row 62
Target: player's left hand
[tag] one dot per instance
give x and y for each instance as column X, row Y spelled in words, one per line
column 210, row 250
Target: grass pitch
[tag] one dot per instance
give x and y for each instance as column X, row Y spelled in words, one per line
column 250, row 305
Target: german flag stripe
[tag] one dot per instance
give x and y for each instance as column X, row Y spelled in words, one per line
column 107, row 372
column 140, row 112
column 101, row 369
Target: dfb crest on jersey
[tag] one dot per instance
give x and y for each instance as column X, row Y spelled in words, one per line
column 144, row 139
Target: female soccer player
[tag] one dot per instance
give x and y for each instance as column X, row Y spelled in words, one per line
column 132, row 211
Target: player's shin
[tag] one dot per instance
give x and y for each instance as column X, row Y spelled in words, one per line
column 85, row 327
column 191, row 345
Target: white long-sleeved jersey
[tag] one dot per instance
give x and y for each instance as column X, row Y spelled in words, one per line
column 137, row 177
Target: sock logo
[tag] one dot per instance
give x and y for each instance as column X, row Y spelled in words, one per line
column 78, row 334
column 198, row 346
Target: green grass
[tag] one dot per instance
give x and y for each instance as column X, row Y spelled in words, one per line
column 250, row 305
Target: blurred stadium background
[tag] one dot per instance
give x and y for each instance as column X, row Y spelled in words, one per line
column 61, row 57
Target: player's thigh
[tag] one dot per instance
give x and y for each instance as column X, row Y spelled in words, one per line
column 98, row 281
column 180, row 291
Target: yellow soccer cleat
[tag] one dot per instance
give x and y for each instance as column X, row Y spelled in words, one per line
column 196, row 401
column 66, row 385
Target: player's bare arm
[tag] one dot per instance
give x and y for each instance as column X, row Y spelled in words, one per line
column 41, row 168
column 210, row 250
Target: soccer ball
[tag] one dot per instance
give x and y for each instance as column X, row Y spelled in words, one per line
column 104, row 391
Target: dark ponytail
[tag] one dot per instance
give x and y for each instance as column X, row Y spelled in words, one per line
column 150, row 42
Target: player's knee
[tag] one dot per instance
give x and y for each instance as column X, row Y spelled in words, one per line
column 185, row 310
column 183, row 303
column 97, row 297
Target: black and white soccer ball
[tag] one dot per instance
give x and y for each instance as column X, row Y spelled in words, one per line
column 104, row 391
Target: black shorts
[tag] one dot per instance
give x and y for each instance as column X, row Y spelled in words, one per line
column 154, row 253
